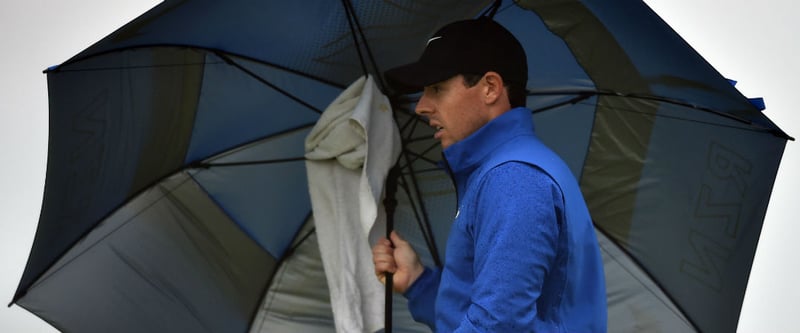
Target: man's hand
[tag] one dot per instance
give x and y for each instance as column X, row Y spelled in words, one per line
column 401, row 260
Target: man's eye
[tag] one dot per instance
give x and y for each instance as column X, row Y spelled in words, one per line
column 433, row 89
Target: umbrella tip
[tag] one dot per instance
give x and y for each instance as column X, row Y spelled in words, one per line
column 50, row 69
column 758, row 102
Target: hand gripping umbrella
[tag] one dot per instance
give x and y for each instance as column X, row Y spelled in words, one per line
column 176, row 198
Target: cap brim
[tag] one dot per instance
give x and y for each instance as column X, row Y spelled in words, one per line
column 412, row 78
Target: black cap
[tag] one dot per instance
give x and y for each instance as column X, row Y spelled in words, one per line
column 464, row 47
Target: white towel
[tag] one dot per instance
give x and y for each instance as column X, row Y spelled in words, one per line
column 348, row 155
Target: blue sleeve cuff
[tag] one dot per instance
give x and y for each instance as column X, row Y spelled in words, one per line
column 422, row 297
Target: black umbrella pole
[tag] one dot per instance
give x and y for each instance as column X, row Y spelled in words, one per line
column 387, row 326
column 390, row 204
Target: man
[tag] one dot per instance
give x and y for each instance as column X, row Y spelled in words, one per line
column 522, row 255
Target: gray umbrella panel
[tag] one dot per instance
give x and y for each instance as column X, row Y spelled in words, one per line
column 164, row 262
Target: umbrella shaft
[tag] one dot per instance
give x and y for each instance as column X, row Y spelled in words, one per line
column 388, row 305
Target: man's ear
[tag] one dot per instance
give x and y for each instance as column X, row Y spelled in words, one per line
column 493, row 88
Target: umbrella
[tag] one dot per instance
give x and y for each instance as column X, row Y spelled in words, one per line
column 176, row 199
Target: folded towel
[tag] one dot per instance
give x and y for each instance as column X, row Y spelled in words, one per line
column 348, row 155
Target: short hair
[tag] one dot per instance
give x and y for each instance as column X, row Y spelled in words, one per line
column 517, row 94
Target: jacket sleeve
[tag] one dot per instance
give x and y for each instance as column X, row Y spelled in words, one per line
column 516, row 235
column 422, row 297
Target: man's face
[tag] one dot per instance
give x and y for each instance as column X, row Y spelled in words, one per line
column 453, row 109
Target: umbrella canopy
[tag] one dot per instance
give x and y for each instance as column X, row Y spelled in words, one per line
column 176, row 196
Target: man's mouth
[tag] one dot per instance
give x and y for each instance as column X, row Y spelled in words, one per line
column 438, row 134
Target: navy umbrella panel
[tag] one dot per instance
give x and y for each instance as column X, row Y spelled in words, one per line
column 176, row 197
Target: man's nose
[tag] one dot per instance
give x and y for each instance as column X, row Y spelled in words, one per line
column 423, row 106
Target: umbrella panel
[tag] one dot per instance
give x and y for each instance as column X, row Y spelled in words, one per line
column 298, row 298
column 263, row 188
column 115, row 128
column 168, row 261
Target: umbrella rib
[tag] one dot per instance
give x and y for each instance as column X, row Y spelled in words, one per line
column 289, row 252
column 108, row 68
column 581, row 96
column 230, row 150
column 420, row 138
column 757, row 128
column 161, row 286
column 206, row 165
column 351, row 16
column 412, row 121
column 278, row 265
column 59, row 68
column 348, row 9
column 252, row 74
column 584, row 94
column 424, row 222
column 425, row 170
column 420, row 156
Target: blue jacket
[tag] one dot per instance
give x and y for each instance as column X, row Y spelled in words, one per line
column 522, row 255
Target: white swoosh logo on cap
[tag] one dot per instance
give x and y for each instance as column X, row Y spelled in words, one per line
column 432, row 39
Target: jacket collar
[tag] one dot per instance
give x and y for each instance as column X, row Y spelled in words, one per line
column 465, row 156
